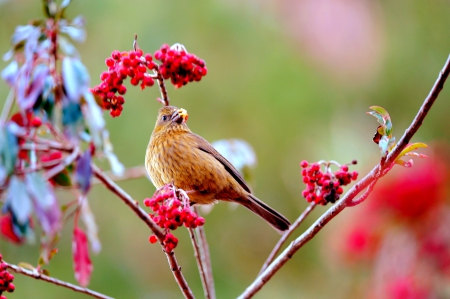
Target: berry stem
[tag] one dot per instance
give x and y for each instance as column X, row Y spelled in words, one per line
column 162, row 86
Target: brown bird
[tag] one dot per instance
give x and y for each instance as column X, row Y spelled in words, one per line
column 176, row 155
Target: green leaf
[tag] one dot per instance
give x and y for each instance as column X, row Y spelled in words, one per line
column 26, row 266
column 383, row 118
column 71, row 113
column 62, row 179
column 410, row 147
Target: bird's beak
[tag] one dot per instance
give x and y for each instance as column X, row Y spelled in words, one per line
column 180, row 116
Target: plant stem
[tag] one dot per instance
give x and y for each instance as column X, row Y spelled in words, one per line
column 37, row 275
column 286, row 235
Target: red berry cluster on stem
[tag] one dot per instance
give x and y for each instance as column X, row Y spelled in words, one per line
column 171, row 209
column 325, row 186
column 178, row 65
column 133, row 64
column 6, row 279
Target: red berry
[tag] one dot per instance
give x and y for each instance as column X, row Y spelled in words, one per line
column 153, row 239
column 109, row 62
column 304, row 164
column 199, row 221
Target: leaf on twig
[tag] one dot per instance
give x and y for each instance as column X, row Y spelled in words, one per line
column 83, row 172
column 116, row 166
column 81, row 259
column 383, row 119
column 75, row 30
column 10, row 73
column 94, row 118
column 72, row 120
column 75, row 78
column 8, row 152
column 45, row 203
column 26, row 266
column 18, row 201
column 410, row 147
column 88, row 219
column 383, row 144
column 62, row 179
column 30, row 84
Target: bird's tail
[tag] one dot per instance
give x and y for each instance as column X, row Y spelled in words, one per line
column 275, row 219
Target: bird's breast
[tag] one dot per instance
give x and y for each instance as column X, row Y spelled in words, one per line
column 177, row 160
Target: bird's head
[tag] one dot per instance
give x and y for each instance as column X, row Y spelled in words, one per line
column 171, row 118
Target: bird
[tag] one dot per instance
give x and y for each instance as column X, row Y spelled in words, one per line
column 175, row 155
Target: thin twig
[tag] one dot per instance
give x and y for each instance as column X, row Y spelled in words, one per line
column 35, row 274
column 130, row 202
column 200, row 264
column 162, row 87
column 64, row 163
column 363, row 197
column 286, row 235
column 134, row 205
column 128, row 174
column 7, row 106
column 374, row 175
column 176, row 270
column 206, row 259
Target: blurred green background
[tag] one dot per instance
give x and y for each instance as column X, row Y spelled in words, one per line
column 294, row 79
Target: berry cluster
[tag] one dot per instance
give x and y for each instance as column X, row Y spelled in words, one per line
column 6, row 279
column 178, row 65
column 324, row 187
column 171, row 210
column 133, row 64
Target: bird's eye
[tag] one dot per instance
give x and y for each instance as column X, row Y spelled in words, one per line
column 164, row 118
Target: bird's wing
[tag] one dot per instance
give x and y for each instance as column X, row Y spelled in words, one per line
column 206, row 147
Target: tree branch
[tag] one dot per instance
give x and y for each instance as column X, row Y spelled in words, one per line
column 286, row 235
column 199, row 256
column 134, row 205
column 362, row 197
column 206, row 257
column 35, row 274
column 377, row 172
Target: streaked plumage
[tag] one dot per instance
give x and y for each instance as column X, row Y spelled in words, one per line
column 176, row 155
